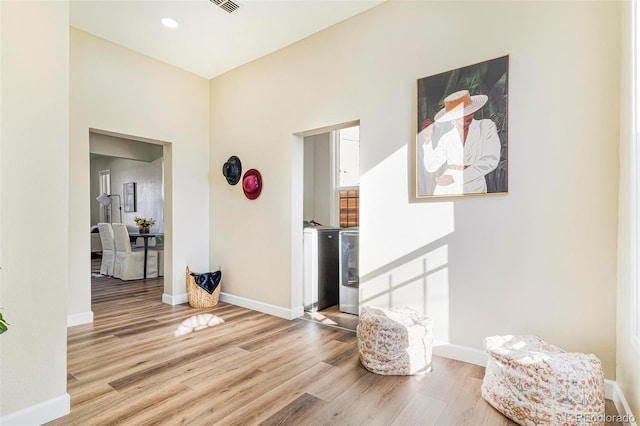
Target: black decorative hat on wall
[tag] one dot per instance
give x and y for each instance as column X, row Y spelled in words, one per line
column 232, row 170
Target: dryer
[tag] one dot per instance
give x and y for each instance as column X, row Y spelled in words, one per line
column 349, row 271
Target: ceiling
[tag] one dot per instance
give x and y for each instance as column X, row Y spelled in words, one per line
column 209, row 40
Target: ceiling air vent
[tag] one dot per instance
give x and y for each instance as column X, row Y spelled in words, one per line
column 226, row 5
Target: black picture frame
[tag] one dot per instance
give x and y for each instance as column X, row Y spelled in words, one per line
column 129, row 197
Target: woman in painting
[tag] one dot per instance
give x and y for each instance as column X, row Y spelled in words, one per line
column 470, row 149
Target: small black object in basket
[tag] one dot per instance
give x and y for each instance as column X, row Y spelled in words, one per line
column 203, row 290
column 208, row 281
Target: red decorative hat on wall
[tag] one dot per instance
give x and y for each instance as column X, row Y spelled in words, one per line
column 252, row 184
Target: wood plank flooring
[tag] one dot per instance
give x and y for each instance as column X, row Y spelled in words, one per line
column 332, row 316
column 128, row 368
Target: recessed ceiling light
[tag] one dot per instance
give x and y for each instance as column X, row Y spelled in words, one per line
column 169, row 22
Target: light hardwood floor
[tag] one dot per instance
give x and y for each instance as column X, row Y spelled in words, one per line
column 332, row 316
column 128, row 368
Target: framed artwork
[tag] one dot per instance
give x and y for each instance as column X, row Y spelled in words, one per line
column 462, row 131
column 129, row 191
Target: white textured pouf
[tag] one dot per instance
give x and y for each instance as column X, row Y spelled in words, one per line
column 536, row 383
column 395, row 341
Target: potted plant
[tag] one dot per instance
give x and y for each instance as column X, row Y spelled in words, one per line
column 3, row 324
column 144, row 224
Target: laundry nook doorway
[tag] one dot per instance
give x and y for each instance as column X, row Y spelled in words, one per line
column 330, row 225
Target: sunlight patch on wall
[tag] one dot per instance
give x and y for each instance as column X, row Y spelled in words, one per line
column 404, row 252
column 421, row 283
column 392, row 227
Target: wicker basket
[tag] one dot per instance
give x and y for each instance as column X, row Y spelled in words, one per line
column 198, row 297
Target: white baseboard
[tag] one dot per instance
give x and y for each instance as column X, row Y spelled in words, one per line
column 609, row 388
column 178, row 299
column 262, row 307
column 40, row 413
column 613, row 392
column 78, row 319
column 460, row 353
column 297, row 312
column 243, row 302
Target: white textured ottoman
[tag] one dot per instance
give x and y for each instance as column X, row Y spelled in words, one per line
column 536, row 383
column 395, row 341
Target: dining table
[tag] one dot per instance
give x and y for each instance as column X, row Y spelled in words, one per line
column 145, row 236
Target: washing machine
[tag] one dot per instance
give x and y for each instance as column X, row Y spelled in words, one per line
column 320, row 267
column 349, row 271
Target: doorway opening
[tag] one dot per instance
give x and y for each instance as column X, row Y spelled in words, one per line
column 331, row 218
column 127, row 177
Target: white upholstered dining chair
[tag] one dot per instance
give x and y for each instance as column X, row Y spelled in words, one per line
column 108, row 248
column 129, row 263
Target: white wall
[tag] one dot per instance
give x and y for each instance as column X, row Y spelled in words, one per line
column 117, row 90
column 317, row 180
column 627, row 357
column 124, row 148
column 34, row 206
column 148, row 179
column 541, row 259
column 308, row 210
